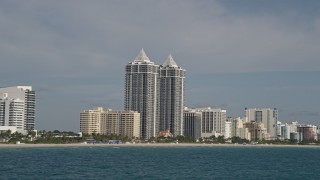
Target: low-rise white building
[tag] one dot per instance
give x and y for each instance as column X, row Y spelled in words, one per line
column 12, row 129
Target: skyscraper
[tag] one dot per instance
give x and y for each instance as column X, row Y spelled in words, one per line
column 171, row 96
column 141, row 92
column 267, row 116
column 17, row 107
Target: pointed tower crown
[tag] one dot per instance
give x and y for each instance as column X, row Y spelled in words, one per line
column 170, row 62
column 142, row 57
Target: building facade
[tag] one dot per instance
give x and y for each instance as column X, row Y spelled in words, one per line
column 17, row 107
column 141, row 93
column 171, row 96
column 237, row 123
column 257, row 130
column 192, row 124
column 309, row 132
column 107, row 121
column 227, row 129
column 90, row 121
column 267, row 116
column 286, row 129
column 237, row 129
column 212, row 120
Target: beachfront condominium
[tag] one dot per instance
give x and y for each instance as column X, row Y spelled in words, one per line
column 17, row 107
column 212, row 120
column 238, row 130
column 171, row 84
column 267, row 116
column 257, row 130
column 141, row 93
column 285, row 129
column 107, row 121
column 227, row 129
column 308, row 132
column 192, row 124
column 90, row 121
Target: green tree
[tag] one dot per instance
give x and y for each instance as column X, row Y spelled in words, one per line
column 236, row 139
column 15, row 137
column 31, row 133
column 6, row 135
column 221, row 139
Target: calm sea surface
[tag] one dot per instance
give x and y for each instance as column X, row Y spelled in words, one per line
column 160, row 163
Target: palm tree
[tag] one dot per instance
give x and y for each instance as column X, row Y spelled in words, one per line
column 31, row 133
column 6, row 135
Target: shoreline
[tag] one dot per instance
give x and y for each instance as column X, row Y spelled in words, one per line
column 150, row 145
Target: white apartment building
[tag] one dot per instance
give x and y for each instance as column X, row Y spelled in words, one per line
column 227, row 129
column 212, row 120
column 238, row 130
column 284, row 130
column 17, row 107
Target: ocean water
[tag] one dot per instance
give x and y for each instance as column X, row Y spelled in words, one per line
column 248, row 162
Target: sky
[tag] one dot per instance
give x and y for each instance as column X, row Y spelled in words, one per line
column 238, row 54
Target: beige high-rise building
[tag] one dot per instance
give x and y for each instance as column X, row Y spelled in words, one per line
column 90, row 121
column 267, row 116
column 238, row 130
column 107, row 121
column 257, row 130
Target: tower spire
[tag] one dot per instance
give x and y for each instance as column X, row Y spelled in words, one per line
column 170, row 62
column 142, row 57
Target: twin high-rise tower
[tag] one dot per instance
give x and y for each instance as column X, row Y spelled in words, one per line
column 171, row 95
column 141, row 92
column 157, row 92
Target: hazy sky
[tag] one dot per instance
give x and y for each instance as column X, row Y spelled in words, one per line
column 249, row 53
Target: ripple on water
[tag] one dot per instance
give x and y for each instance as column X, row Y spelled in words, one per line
column 159, row 163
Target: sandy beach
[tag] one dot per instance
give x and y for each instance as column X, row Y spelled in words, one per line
column 150, row 145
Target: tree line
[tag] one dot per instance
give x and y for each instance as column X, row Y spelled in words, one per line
column 67, row 137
